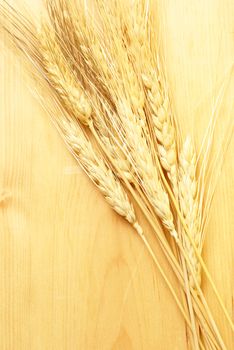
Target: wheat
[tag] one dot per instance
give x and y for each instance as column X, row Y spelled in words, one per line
column 163, row 126
column 100, row 173
column 62, row 78
column 147, row 172
column 188, row 199
column 132, row 124
column 139, row 26
column 135, row 35
column 122, row 122
column 166, row 144
column 128, row 99
column 107, row 135
column 141, row 157
column 71, row 91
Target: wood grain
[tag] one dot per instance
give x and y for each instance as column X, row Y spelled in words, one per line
column 73, row 275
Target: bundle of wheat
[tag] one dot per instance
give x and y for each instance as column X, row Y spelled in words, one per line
column 104, row 71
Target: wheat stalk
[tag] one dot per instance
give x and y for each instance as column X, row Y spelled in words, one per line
column 188, row 199
column 160, row 117
column 133, row 135
column 160, row 204
column 133, row 118
column 66, row 84
column 163, row 127
column 102, row 176
column 141, row 38
column 141, row 159
column 123, row 104
column 70, row 92
column 166, row 142
column 96, row 168
column 62, row 78
column 99, row 173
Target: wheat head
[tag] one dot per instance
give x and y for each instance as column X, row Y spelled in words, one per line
column 71, row 91
column 128, row 100
column 129, row 104
column 189, row 205
column 148, row 177
column 99, row 172
column 62, row 78
column 163, row 126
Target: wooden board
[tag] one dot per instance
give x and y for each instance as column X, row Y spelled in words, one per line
column 73, row 275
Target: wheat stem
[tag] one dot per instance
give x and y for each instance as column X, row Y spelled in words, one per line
column 99, row 172
column 203, row 266
column 163, row 127
column 110, row 187
column 167, row 251
column 66, row 87
column 188, row 200
column 168, row 221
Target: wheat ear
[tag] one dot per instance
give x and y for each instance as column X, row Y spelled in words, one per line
column 161, row 210
column 132, row 136
column 62, row 78
column 71, row 91
column 188, row 200
column 130, row 115
column 102, row 176
column 99, row 173
column 150, row 72
column 96, row 168
column 163, row 127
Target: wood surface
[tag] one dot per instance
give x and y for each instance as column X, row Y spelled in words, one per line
column 73, row 275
